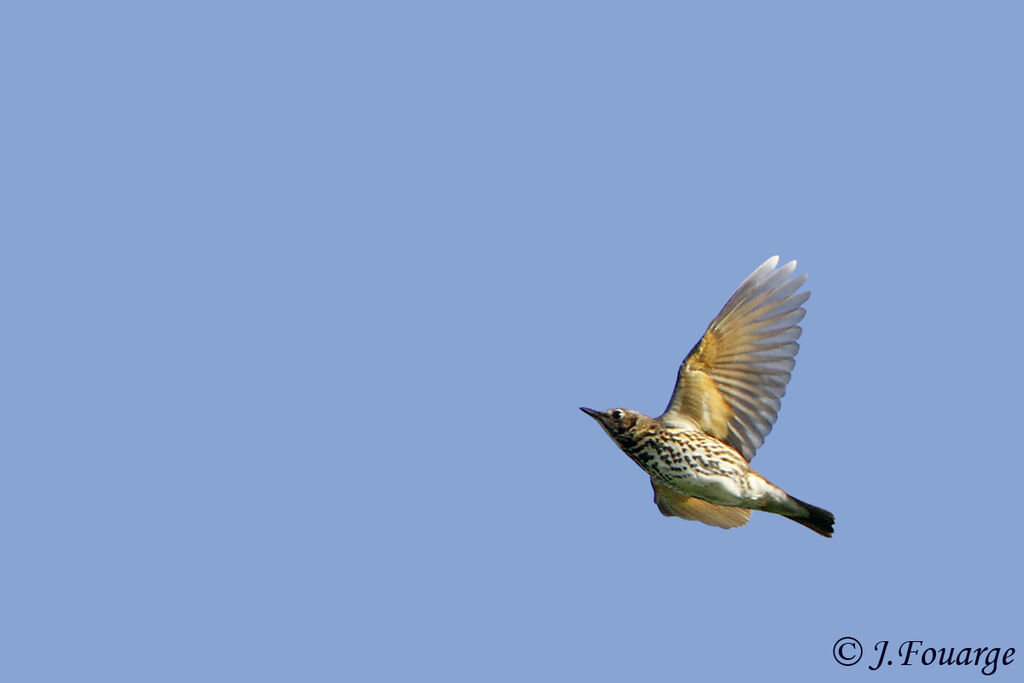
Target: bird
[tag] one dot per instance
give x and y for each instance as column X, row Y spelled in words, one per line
column 726, row 399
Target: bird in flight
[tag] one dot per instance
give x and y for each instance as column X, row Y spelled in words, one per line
column 726, row 400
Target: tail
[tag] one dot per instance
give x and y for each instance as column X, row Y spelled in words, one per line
column 814, row 518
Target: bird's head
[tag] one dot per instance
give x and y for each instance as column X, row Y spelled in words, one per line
column 621, row 424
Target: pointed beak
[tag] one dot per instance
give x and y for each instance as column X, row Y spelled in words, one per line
column 596, row 414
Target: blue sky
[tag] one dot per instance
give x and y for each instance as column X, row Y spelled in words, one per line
column 301, row 301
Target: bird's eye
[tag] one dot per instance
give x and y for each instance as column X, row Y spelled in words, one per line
column 617, row 414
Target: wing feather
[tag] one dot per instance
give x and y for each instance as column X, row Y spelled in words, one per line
column 674, row 504
column 732, row 382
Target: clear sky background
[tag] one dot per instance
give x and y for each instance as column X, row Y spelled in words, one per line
column 300, row 301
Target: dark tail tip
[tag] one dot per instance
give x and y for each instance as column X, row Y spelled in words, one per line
column 817, row 519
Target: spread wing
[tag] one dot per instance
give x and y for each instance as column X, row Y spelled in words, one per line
column 674, row 504
column 732, row 382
